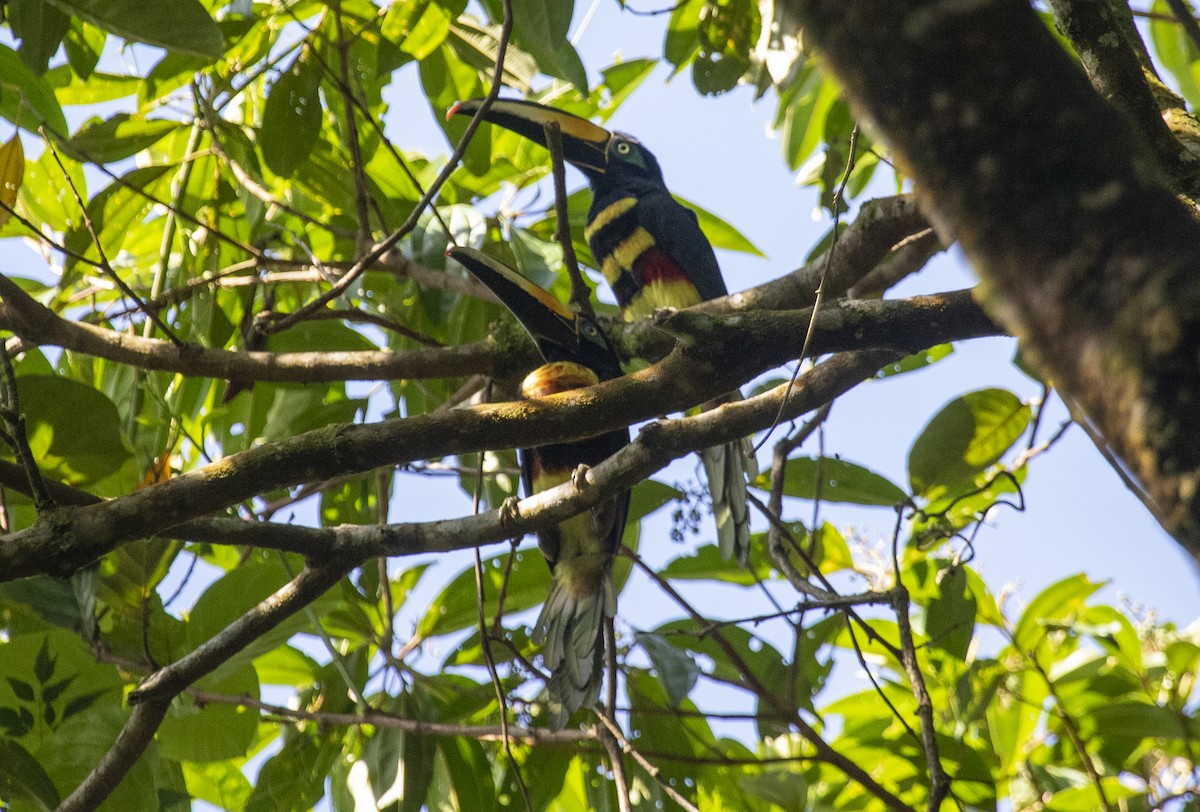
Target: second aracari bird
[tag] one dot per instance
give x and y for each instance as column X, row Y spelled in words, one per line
column 580, row 550
column 653, row 253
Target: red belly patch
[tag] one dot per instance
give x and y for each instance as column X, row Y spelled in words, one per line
column 654, row 266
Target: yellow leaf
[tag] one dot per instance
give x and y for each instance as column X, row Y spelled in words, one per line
column 12, row 173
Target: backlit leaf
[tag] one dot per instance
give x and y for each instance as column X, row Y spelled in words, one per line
column 26, row 99
column 834, row 480
column 177, row 25
column 541, row 28
column 291, row 120
column 12, row 173
column 968, row 435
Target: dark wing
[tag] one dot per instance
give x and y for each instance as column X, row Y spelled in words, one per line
column 549, row 539
column 612, row 515
column 676, row 229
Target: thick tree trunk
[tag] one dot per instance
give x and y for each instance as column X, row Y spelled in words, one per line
column 1085, row 253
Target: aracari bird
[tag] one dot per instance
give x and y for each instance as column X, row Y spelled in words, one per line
column 652, row 252
column 579, row 550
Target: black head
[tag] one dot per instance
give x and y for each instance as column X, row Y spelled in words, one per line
column 627, row 163
column 607, row 158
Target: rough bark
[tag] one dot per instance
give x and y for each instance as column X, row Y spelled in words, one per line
column 1086, row 254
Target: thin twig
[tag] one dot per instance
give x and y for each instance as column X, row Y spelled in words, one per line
column 38, row 235
column 16, row 437
column 538, row 735
column 581, row 294
column 607, row 715
column 485, row 642
column 361, row 195
column 137, row 733
column 779, row 459
column 939, row 782
column 820, row 297
column 654, row 772
column 104, row 263
column 616, row 763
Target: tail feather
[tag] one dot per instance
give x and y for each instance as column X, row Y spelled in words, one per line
column 727, row 467
column 569, row 629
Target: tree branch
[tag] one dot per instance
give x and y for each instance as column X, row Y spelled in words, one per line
column 131, row 742
column 293, row 596
column 881, row 224
column 713, row 355
column 1112, row 63
column 1087, row 256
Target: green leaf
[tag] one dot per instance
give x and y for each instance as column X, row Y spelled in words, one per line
column 781, row 786
column 417, row 27
column 1055, row 603
column 456, row 607
column 27, row 100
column 212, row 732
column 446, row 79
column 541, row 28
column 1131, row 719
column 118, row 137
column 968, row 435
column 1175, row 50
column 683, row 40
column 706, row 564
column 622, row 79
column 84, row 43
column 916, row 361
column 21, row 689
column 650, row 495
column 719, row 232
column 220, row 783
column 834, row 480
column 659, row 731
column 40, row 27
column 355, row 501
column 950, row 616
column 43, row 663
column 232, row 595
column 401, row 763
column 52, row 599
column 728, row 32
column 463, row 776
column 183, row 26
column 22, row 777
column 67, row 448
column 117, row 209
column 804, row 127
column 79, row 743
column 676, row 669
column 293, row 778
column 291, row 122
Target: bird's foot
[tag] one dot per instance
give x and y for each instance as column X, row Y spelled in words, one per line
column 510, row 511
column 579, row 478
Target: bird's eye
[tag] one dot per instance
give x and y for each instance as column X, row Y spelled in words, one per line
column 623, row 147
column 590, row 330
